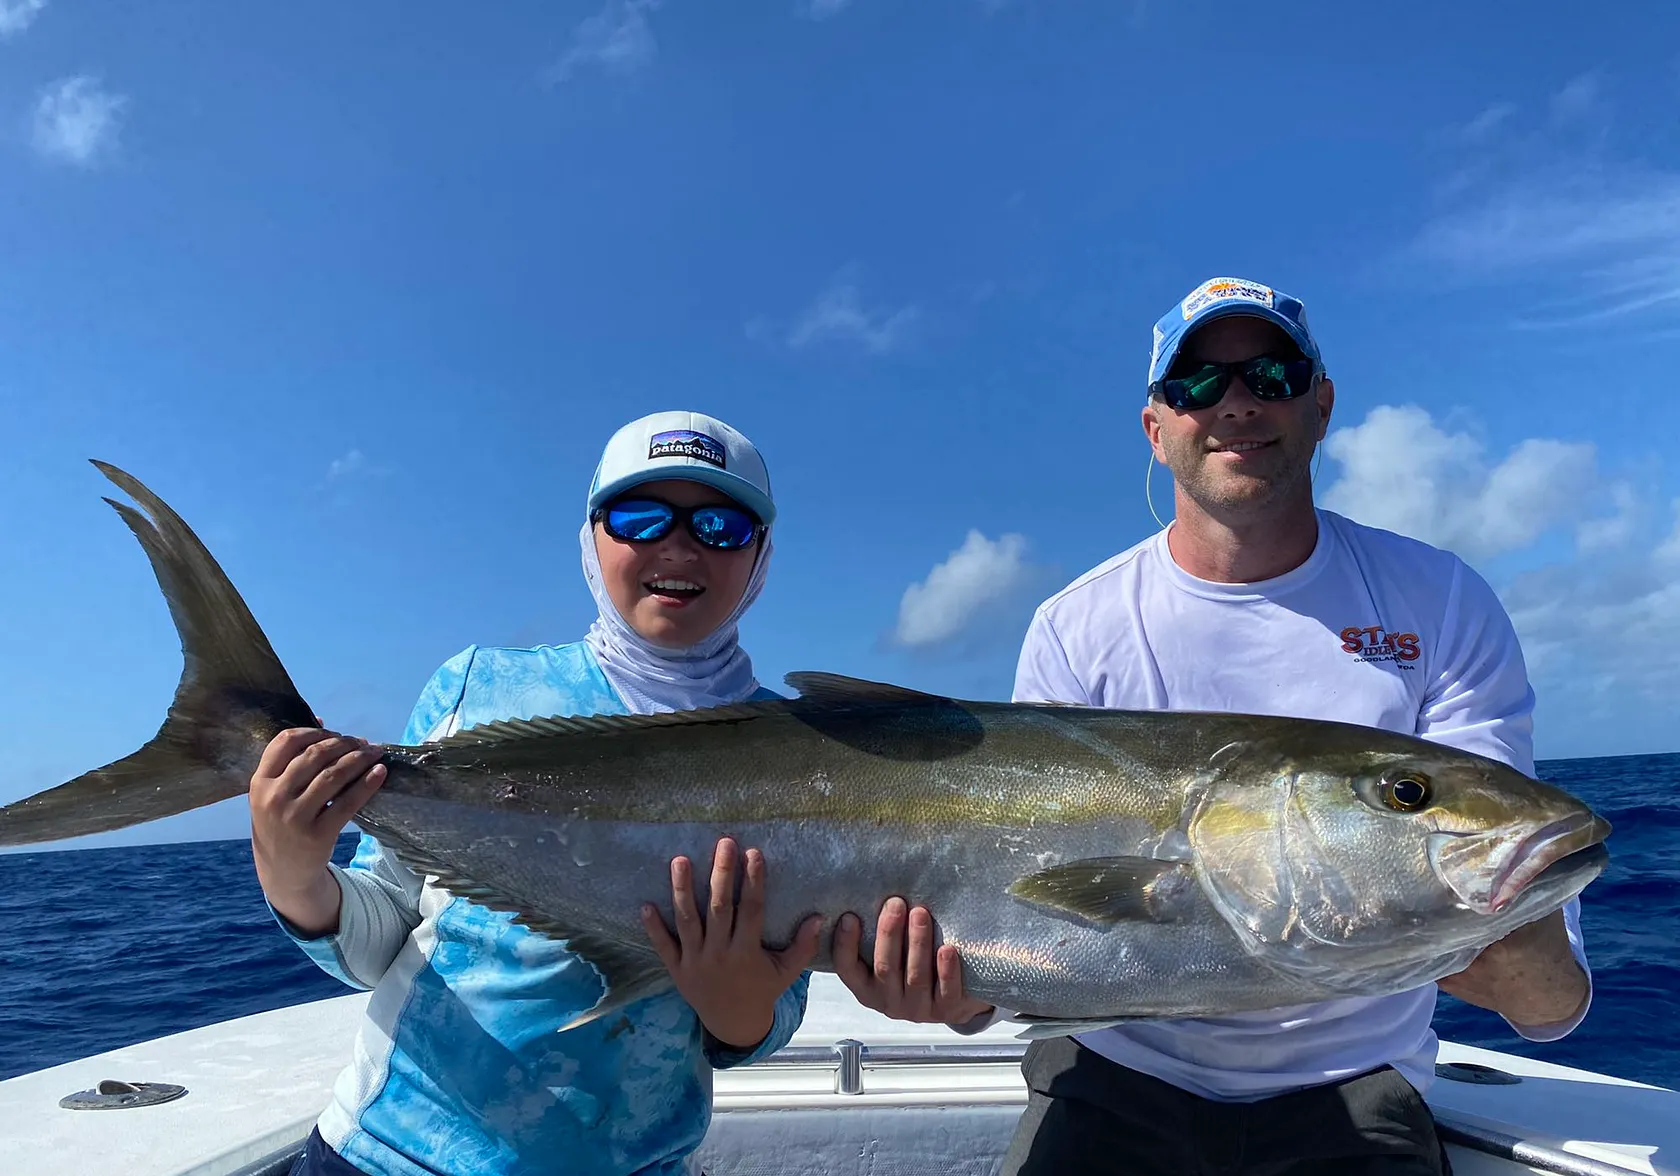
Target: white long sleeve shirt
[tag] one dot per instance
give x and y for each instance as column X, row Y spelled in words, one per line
column 1373, row 628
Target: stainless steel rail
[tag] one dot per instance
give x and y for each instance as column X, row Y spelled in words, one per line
column 850, row 1057
column 1521, row 1151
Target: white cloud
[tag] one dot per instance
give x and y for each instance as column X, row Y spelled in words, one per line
column 1591, row 217
column 1585, row 236
column 76, row 120
column 1480, row 128
column 353, row 462
column 976, row 578
column 1599, row 635
column 1402, row 471
column 1668, row 551
column 823, row 9
column 1581, row 97
column 1617, row 529
column 1598, row 628
column 839, row 316
column 18, row 15
column 618, row 39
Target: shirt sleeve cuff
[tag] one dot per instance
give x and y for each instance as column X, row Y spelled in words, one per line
column 983, row 1021
column 327, row 948
column 790, row 1011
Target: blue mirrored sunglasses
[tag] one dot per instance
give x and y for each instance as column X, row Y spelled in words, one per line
column 648, row 520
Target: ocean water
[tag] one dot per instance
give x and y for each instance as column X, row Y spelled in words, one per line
column 103, row 948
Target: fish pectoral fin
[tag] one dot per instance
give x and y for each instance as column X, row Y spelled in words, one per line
column 1038, row 1028
column 1112, row 890
column 824, row 687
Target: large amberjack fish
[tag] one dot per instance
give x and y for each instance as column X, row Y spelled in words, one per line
column 1091, row 865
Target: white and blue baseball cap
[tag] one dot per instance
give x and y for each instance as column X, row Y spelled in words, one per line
column 1219, row 298
column 684, row 445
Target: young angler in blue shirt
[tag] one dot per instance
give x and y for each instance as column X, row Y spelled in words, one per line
column 459, row 1066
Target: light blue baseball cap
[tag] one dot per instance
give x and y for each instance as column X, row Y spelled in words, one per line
column 1218, row 298
column 684, row 445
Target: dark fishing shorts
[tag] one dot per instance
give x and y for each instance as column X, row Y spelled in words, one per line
column 1086, row 1114
column 317, row 1159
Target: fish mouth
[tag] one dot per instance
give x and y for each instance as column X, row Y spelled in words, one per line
column 1489, row 876
column 1540, row 852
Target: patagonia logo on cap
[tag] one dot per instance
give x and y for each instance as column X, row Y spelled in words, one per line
column 1225, row 290
column 686, row 443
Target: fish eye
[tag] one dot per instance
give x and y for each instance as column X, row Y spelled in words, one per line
column 1407, row 792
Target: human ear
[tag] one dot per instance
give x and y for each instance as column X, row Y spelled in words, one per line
column 1325, row 394
column 1152, row 428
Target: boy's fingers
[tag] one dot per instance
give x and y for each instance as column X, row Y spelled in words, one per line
column 919, row 961
column 284, row 748
column 720, row 908
column 349, row 802
column 669, row 954
column 682, row 903
column 749, row 916
column 889, row 947
column 793, row 958
column 849, row 964
column 334, row 779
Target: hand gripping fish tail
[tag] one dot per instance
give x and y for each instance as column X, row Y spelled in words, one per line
column 234, row 696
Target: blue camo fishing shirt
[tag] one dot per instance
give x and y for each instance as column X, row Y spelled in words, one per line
column 457, row 1067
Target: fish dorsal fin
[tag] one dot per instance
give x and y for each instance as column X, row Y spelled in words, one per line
column 832, row 689
column 628, row 971
column 915, row 726
column 504, row 730
column 1112, row 890
column 837, row 688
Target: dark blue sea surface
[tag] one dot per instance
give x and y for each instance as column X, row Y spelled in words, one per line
column 103, row 948
column 1630, row 919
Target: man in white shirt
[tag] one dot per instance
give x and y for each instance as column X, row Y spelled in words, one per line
column 1254, row 600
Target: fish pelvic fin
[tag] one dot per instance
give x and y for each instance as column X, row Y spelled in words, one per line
column 628, row 973
column 1039, row 1028
column 1112, row 890
column 233, row 697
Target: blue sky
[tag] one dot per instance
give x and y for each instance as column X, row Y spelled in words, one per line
column 362, row 290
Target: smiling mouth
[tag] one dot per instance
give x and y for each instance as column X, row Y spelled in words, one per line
column 673, row 588
column 1242, row 446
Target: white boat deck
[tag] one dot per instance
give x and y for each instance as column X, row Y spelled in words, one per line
column 256, row 1084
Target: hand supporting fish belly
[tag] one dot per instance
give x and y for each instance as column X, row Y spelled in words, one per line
column 906, row 979
column 719, row 963
column 1083, row 865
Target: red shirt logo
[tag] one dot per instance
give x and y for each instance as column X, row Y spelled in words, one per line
column 1373, row 643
